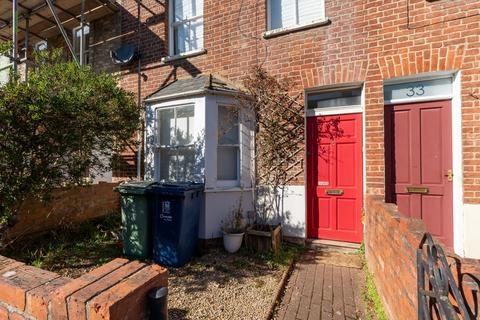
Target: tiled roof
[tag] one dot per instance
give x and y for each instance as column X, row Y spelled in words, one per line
column 199, row 84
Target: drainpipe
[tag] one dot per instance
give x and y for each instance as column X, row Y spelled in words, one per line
column 139, row 96
column 82, row 39
column 27, row 36
column 14, row 34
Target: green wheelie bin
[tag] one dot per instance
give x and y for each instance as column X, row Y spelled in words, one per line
column 136, row 229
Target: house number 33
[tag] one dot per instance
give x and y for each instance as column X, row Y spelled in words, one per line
column 416, row 91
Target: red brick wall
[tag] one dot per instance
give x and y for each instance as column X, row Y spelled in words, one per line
column 366, row 41
column 68, row 206
column 416, row 36
column 391, row 241
column 233, row 40
column 116, row 290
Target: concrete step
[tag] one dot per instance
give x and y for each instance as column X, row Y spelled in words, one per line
column 332, row 246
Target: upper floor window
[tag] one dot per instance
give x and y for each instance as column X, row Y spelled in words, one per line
column 186, row 26
column 291, row 13
column 79, row 45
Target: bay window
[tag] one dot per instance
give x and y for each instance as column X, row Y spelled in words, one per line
column 228, row 147
column 176, row 145
column 186, row 25
column 291, row 13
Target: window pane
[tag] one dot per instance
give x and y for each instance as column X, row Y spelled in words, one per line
column 77, row 37
column 338, row 98
column 168, row 163
column 166, row 126
column 186, row 9
column 413, row 90
column 186, row 164
column 196, row 34
column 184, row 129
column 177, row 164
column 181, row 38
column 227, row 163
column 227, row 125
column 309, row 11
column 282, row 13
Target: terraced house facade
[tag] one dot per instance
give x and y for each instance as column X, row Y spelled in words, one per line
column 402, row 77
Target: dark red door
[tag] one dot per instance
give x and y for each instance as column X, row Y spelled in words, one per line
column 334, row 185
column 419, row 162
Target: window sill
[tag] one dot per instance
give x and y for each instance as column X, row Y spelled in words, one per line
column 227, row 189
column 184, row 55
column 282, row 31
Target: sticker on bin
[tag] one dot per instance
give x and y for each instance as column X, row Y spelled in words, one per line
column 165, row 215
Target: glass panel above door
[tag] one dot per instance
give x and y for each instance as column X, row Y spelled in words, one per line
column 418, row 90
column 335, row 99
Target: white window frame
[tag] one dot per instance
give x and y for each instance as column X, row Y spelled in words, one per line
column 327, row 111
column 171, row 34
column 298, row 26
column 86, row 50
column 158, row 145
column 39, row 43
column 231, row 183
column 7, row 66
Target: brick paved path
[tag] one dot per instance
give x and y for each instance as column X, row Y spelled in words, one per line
column 324, row 285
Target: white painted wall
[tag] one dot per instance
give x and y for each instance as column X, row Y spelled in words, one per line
column 219, row 205
column 471, row 217
column 292, row 214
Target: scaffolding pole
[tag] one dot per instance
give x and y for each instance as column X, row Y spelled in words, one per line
column 82, row 41
column 62, row 29
column 15, row 34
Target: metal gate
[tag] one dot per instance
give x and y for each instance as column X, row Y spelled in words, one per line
column 436, row 285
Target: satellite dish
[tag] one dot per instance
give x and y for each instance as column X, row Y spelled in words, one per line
column 123, row 55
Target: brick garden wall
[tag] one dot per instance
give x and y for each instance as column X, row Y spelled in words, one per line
column 67, row 207
column 116, row 290
column 391, row 241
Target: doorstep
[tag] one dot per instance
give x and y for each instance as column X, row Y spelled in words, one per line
column 332, row 245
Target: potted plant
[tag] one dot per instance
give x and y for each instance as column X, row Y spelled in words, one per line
column 233, row 230
column 261, row 234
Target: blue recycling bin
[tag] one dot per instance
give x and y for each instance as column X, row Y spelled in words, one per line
column 175, row 210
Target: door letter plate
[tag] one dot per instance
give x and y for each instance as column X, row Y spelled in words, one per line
column 334, row 192
column 421, row 190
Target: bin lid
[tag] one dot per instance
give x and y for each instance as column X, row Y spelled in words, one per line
column 134, row 187
column 175, row 189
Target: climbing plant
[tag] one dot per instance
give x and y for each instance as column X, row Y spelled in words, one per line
column 278, row 113
column 60, row 127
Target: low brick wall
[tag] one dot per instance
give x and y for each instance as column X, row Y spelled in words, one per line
column 115, row 291
column 68, row 206
column 391, row 241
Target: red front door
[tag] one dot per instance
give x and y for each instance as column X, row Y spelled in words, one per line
column 334, row 185
column 418, row 175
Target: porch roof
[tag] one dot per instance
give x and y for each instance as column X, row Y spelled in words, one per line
column 199, row 84
column 41, row 22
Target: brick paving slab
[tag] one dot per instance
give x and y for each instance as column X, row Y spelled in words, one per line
column 324, row 286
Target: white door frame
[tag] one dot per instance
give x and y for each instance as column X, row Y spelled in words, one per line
column 457, row 156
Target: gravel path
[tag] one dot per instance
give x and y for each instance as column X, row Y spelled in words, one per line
column 223, row 286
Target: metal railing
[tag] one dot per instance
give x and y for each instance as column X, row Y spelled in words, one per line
column 436, row 287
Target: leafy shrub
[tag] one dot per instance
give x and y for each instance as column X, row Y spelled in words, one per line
column 60, row 127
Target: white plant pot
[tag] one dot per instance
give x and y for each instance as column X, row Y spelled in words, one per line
column 232, row 241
